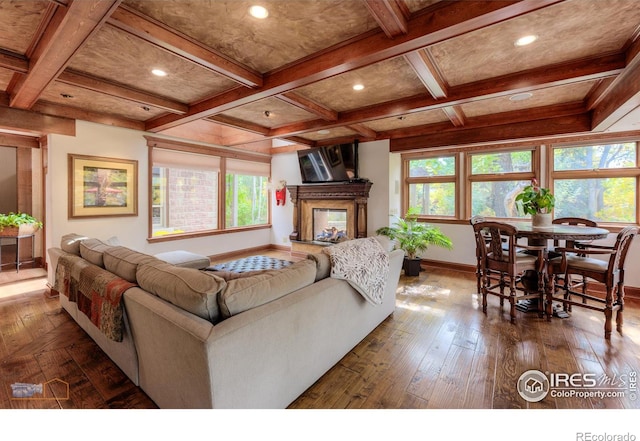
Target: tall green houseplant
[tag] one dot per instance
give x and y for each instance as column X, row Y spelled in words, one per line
column 414, row 237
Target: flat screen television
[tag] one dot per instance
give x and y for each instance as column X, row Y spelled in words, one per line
column 333, row 163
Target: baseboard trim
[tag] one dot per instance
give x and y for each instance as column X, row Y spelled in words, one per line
column 630, row 292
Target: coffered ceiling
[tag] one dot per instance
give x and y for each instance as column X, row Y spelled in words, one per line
column 434, row 72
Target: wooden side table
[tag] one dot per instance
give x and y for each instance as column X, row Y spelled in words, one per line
column 18, row 262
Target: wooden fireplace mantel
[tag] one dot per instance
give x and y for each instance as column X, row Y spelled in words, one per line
column 351, row 195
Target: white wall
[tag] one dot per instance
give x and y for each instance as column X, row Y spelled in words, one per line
column 284, row 166
column 106, row 141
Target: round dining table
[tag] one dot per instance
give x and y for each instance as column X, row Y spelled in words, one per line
column 540, row 236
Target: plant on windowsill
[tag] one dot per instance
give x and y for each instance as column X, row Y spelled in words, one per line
column 18, row 224
column 414, row 237
column 538, row 202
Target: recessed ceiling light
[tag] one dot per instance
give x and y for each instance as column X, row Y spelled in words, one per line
column 527, row 39
column 358, row 87
column 258, row 12
column 323, row 132
column 146, row 108
column 267, row 113
column 159, row 72
column 66, row 95
column 520, row 96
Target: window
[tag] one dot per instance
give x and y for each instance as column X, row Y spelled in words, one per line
column 246, row 193
column 496, row 178
column 598, row 182
column 431, row 185
column 184, row 192
column 196, row 189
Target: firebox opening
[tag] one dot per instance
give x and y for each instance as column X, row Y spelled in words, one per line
column 329, row 225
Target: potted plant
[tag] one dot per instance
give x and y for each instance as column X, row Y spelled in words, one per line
column 414, row 237
column 538, row 202
column 18, row 224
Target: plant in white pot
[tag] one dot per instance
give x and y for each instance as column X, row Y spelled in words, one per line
column 414, row 237
column 18, row 224
column 538, row 202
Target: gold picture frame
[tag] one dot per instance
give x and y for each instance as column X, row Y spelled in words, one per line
column 101, row 186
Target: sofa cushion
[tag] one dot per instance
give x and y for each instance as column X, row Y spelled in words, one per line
column 92, row 250
column 124, row 262
column 249, row 292
column 187, row 288
column 323, row 265
column 71, row 243
column 184, row 259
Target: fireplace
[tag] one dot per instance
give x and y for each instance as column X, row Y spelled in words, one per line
column 324, row 214
column 329, row 225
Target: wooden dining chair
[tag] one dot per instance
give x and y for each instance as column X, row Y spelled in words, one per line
column 474, row 220
column 609, row 272
column 553, row 254
column 501, row 265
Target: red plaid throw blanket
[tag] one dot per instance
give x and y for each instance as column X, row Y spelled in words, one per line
column 96, row 291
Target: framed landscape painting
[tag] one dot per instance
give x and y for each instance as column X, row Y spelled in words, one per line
column 102, row 186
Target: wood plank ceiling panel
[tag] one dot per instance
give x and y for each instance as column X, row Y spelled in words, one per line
column 115, row 54
column 280, row 113
column 542, row 97
column 97, row 102
column 385, row 81
column 562, row 36
column 19, row 24
column 295, row 29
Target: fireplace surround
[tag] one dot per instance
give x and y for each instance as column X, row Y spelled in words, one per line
column 314, row 203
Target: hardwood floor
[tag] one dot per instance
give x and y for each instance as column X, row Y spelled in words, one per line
column 437, row 351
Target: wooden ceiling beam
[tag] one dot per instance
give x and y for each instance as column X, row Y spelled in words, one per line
column 425, row 68
column 622, row 95
column 36, row 123
column 68, row 30
column 391, row 16
column 363, row 130
column 308, row 105
column 13, row 62
column 450, row 20
column 526, row 81
column 160, row 35
column 59, row 110
column 240, row 124
column 455, row 115
column 516, row 131
column 122, row 92
column 11, row 140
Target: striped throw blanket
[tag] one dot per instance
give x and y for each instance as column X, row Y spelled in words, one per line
column 97, row 292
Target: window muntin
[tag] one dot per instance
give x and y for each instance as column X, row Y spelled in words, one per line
column 431, row 185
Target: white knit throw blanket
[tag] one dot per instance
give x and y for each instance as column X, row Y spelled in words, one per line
column 364, row 263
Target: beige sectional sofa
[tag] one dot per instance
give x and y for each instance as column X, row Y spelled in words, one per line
column 199, row 339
